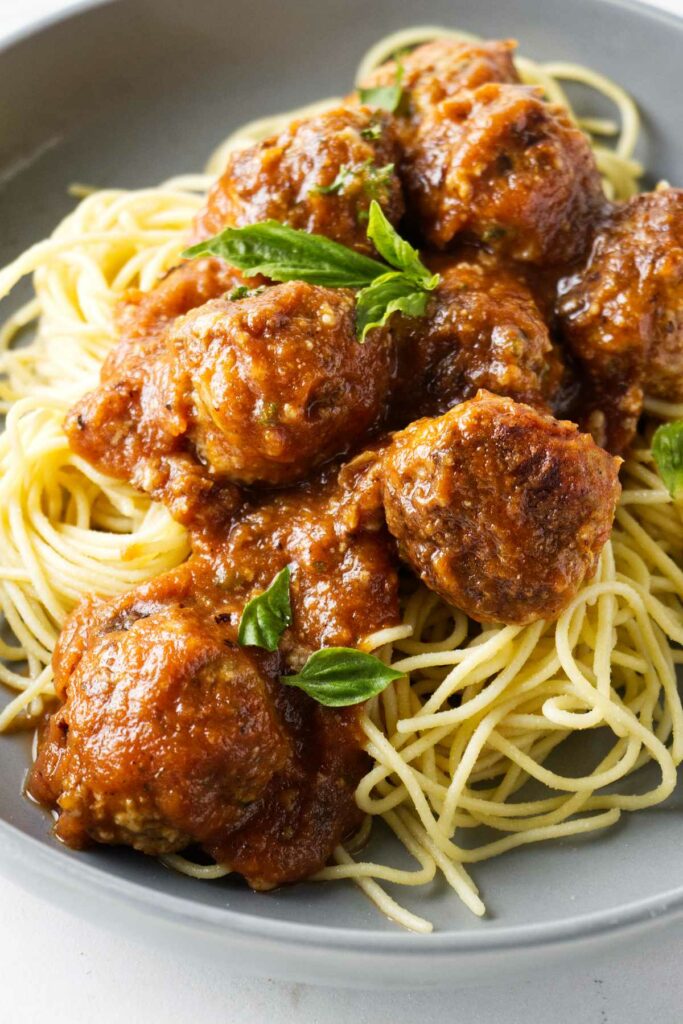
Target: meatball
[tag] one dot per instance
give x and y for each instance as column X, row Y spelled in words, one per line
column 344, row 581
column 168, row 730
column 143, row 315
column 501, row 166
column 258, row 390
column 267, row 389
column 320, row 175
column 482, row 329
column 440, row 70
column 169, row 734
column 622, row 315
column 501, row 510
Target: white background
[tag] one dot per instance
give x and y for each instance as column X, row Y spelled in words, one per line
column 57, row 967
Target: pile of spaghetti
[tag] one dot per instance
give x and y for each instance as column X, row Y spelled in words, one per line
column 480, row 709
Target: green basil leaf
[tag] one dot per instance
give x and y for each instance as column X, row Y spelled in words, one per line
column 343, row 174
column 373, row 131
column 667, row 451
column 396, row 251
column 339, row 676
column 384, row 97
column 391, row 293
column 286, row 254
column 267, row 615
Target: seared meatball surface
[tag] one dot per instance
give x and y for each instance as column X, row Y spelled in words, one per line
column 501, row 166
column 622, row 314
column 169, row 734
column 259, row 390
column 501, row 510
column 440, row 70
column 482, row 329
column 268, row 388
column 168, row 730
column 319, row 175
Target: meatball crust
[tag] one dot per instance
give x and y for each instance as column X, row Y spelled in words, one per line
column 501, row 510
column 501, row 166
column 319, row 175
column 170, row 734
column 622, row 314
column 268, row 388
column 167, row 732
column 440, row 70
column 482, row 329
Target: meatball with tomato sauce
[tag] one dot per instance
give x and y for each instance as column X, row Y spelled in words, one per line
column 501, row 510
column 267, row 389
column 319, row 175
column 260, row 390
column 169, row 734
column 481, row 329
column 154, row 744
column 622, row 315
column 440, row 70
column 500, row 166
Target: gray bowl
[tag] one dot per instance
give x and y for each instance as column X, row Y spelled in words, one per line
column 128, row 93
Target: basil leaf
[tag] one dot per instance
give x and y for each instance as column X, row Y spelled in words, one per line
column 384, row 97
column 339, row 676
column 373, row 131
column 286, row 254
column 667, row 451
column 396, row 251
column 343, row 174
column 388, row 294
column 267, row 615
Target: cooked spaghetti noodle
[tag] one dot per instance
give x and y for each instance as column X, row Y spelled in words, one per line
column 441, row 764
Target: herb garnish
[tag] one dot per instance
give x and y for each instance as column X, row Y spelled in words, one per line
column 667, row 451
column 340, row 676
column 266, row 616
column 343, row 174
column 287, row 254
column 243, row 291
column 384, row 97
column 334, row 676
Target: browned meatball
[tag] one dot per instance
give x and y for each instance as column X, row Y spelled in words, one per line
column 168, row 731
column 499, row 165
column 441, row 70
column 170, row 734
column 320, row 175
column 482, row 329
column 268, row 388
column 622, row 314
column 501, row 510
column 259, row 390
column 344, row 582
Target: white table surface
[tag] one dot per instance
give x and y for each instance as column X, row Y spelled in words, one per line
column 57, row 967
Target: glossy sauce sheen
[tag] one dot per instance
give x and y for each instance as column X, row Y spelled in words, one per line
column 265, row 427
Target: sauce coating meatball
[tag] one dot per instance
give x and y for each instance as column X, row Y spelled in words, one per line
column 440, row 70
column 501, row 510
column 169, row 734
column 163, row 715
column 256, row 391
column 499, row 165
column 319, row 175
column 268, row 388
column 622, row 314
column 482, row 329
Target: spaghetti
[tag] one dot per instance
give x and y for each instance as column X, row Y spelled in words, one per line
column 479, row 711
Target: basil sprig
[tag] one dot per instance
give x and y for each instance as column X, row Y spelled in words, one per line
column 340, row 676
column 266, row 616
column 667, row 451
column 404, row 290
column 384, row 97
column 287, row 254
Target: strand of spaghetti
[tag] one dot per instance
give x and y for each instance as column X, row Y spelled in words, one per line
column 389, row 907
